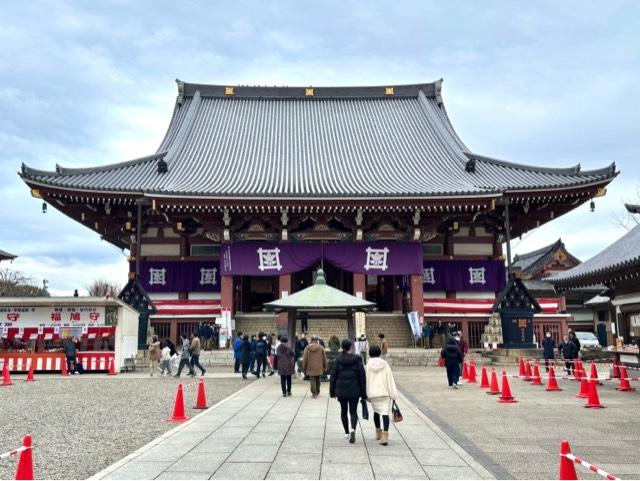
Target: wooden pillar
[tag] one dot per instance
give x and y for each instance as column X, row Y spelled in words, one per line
column 284, row 286
column 447, row 250
column 465, row 329
column 417, row 295
column 291, row 327
column 184, row 252
column 351, row 325
column 173, row 331
column 359, row 285
column 226, row 292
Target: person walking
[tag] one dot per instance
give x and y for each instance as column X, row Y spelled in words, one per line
column 314, row 364
column 245, row 355
column 548, row 350
column 381, row 390
column 252, row 355
column 362, row 347
column 573, row 338
column 426, row 335
column 285, row 364
column 260, row 355
column 452, row 360
column 185, row 357
column 70, row 354
column 165, row 360
column 236, row 352
column 463, row 346
column 384, row 345
column 569, row 352
column 440, row 330
column 195, row 355
column 348, row 384
column 155, row 353
column 300, row 346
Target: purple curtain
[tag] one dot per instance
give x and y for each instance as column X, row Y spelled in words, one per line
column 271, row 258
column 179, row 276
column 454, row 275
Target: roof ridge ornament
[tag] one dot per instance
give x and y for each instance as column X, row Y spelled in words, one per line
column 180, row 84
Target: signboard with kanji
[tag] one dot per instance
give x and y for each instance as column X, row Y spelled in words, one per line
column 17, row 316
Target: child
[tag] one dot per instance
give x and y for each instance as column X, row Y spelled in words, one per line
column 165, row 360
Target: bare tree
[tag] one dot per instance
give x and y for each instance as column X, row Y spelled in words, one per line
column 103, row 288
column 629, row 219
column 16, row 284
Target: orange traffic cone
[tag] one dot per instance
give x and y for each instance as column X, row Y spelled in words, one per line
column 593, row 401
column 624, row 381
column 179, row 415
column 471, row 377
column 25, row 463
column 465, row 370
column 30, row 373
column 527, row 371
column 6, row 376
column 552, row 385
column 484, row 379
column 63, row 368
column 493, row 387
column 615, row 371
column 577, row 371
column 584, row 388
column 567, row 468
column 521, row 371
column 201, row 398
column 536, row 380
column 112, row 368
column 506, row 396
column 594, row 373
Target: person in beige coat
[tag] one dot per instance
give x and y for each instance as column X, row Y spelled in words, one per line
column 155, row 352
column 314, row 364
column 381, row 390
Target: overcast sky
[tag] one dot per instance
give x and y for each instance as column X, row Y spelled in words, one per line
column 88, row 83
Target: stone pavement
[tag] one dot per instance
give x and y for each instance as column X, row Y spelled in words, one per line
column 522, row 440
column 258, row 434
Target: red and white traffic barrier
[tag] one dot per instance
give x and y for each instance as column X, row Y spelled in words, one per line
column 53, row 361
column 25, row 463
column 568, row 460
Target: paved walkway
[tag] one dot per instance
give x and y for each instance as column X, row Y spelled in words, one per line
column 258, row 434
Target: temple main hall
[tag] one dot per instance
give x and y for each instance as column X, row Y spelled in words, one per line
column 253, row 188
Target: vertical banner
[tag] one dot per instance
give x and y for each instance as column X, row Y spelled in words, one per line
column 414, row 322
column 361, row 324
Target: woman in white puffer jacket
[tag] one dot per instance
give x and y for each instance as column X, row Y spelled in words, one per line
column 381, row 390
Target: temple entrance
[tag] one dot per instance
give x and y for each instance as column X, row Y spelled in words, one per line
column 253, row 291
column 384, row 292
column 335, row 278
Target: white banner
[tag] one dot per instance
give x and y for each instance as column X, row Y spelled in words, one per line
column 414, row 322
column 16, row 316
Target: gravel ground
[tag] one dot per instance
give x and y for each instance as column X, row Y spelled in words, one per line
column 82, row 424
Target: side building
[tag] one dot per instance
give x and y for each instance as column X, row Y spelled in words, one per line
column 253, row 188
column 617, row 267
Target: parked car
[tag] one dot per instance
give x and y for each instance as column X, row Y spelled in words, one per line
column 588, row 341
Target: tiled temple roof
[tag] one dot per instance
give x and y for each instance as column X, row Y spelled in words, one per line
column 340, row 142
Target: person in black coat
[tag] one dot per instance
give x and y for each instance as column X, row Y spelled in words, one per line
column 573, row 338
column 245, row 355
column 348, row 383
column 569, row 352
column 452, row 360
column 548, row 349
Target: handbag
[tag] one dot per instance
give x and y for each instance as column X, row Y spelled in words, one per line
column 441, row 362
column 365, row 409
column 397, row 415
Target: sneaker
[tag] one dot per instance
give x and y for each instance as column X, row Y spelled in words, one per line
column 458, row 385
column 203, row 372
column 346, row 436
column 177, row 375
column 352, row 437
column 284, row 394
column 288, row 393
column 271, row 373
column 455, row 386
column 264, row 375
